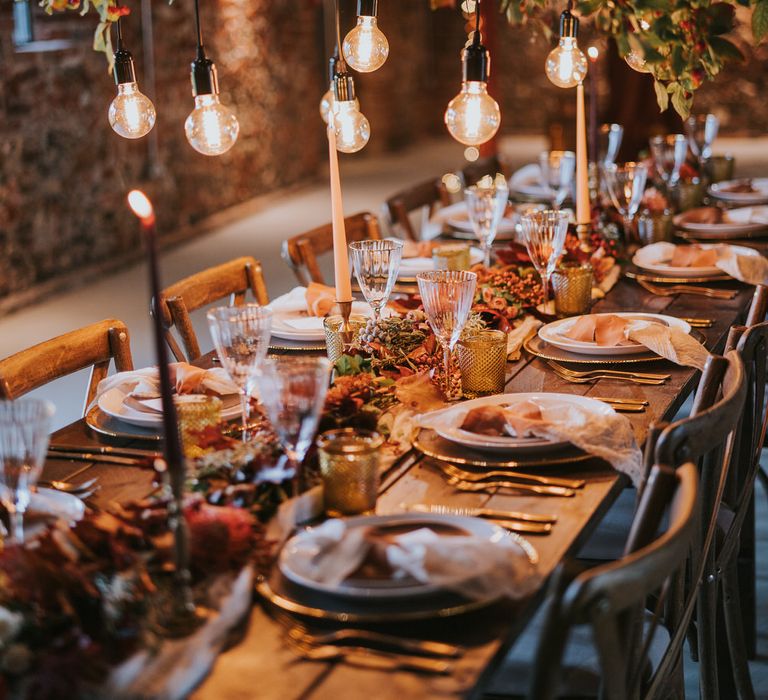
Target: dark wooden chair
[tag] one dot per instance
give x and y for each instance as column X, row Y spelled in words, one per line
column 232, row 279
column 302, row 250
column 93, row 346
column 489, row 165
column 423, row 198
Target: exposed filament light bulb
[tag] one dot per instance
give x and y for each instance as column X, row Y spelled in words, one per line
column 566, row 64
column 365, row 47
column 350, row 126
column 328, row 101
column 131, row 114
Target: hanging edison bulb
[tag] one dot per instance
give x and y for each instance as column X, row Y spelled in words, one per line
column 328, row 101
column 211, row 128
column 365, row 47
column 636, row 61
column 473, row 116
column 350, row 126
column 566, row 65
column 131, row 114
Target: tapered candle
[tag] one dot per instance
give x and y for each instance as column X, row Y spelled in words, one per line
column 142, row 207
column 340, row 254
column 592, row 53
column 583, row 215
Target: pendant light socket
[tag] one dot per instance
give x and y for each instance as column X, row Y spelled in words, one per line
column 205, row 80
column 569, row 25
column 343, row 87
column 367, row 8
column 476, row 62
column 124, row 70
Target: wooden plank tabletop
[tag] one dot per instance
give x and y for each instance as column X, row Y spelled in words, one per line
column 261, row 665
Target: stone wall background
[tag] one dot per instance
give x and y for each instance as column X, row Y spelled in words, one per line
column 64, row 173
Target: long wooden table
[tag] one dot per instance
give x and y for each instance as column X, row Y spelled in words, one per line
column 262, row 666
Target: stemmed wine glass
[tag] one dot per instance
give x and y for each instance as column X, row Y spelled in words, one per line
column 557, row 169
column 486, row 206
column 292, row 391
column 24, row 428
column 447, row 296
column 669, row 154
column 626, row 184
column 544, row 237
column 608, row 142
column 376, row 266
column 241, row 338
column 702, row 132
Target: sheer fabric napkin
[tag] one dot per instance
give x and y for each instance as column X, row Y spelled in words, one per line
column 467, row 564
column 752, row 269
column 609, row 437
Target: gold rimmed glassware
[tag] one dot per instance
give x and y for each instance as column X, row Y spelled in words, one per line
column 447, row 297
column 335, row 344
column 483, row 363
column 572, row 285
column 544, row 237
column 195, row 413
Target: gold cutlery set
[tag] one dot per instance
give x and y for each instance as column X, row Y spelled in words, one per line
column 673, row 289
column 592, row 375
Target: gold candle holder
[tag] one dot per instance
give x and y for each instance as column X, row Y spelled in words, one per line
column 195, row 413
column 451, row 256
column 572, row 283
column 483, row 363
column 340, row 333
column 584, row 233
column 349, row 468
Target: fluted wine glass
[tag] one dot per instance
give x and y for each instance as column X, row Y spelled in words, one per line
column 24, row 428
column 292, row 391
column 557, row 170
column 485, row 207
column 701, row 131
column 544, row 237
column 668, row 154
column 626, row 184
column 447, row 297
column 376, row 266
column 609, row 140
column 241, row 338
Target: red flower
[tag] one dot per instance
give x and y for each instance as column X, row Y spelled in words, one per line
column 220, row 536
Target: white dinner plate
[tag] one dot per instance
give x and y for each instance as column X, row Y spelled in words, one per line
column 297, row 554
column 760, row 184
column 410, row 267
column 298, row 325
column 111, row 403
column 553, row 332
column 45, row 504
column 654, row 265
column 507, row 444
column 736, row 221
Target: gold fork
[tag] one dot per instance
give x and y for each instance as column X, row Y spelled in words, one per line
column 618, row 373
column 453, row 470
column 463, row 485
column 595, row 377
column 673, row 289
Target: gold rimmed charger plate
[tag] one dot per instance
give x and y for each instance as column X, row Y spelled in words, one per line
column 101, row 423
column 636, row 273
column 430, row 444
column 306, row 347
column 698, row 237
column 283, row 594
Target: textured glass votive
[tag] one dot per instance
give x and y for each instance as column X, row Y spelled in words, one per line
column 349, row 468
column 653, row 227
column 719, row 168
column 689, row 194
column 572, row 284
column 451, row 256
column 195, row 413
column 334, row 343
column 483, row 363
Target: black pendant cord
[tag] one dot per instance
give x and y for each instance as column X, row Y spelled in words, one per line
column 477, row 21
column 119, row 28
column 341, row 65
column 200, row 49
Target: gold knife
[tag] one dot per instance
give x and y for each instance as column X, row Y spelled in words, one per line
column 65, row 448
column 469, row 512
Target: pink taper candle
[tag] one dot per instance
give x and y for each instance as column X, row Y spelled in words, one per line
column 340, row 254
column 583, row 215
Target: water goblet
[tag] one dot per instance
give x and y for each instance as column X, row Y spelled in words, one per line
column 557, row 170
column 669, row 154
column 292, row 391
column 701, row 131
column 544, row 237
column 376, row 266
column 485, row 206
column 626, row 184
column 24, row 428
column 608, row 142
column 447, row 296
column 241, row 338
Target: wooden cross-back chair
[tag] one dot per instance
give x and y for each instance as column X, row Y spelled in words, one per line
column 490, row 165
column 231, row 279
column 702, row 442
column 93, row 346
column 424, row 197
column 301, row 251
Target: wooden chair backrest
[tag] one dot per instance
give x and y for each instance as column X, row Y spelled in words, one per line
column 231, row 279
column 429, row 195
column 302, row 250
column 92, row 346
column 759, row 306
column 611, row 598
column 481, row 167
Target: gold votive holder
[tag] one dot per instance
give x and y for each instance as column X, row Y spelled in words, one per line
column 334, row 342
column 572, row 284
column 653, row 227
column 451, row 256
column 349, row 468
column 195, row 413
column 688, row 194
column 719, row 168
column 483, row 363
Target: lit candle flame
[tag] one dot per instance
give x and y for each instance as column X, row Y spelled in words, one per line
column 593, row 53
column 141, row 206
